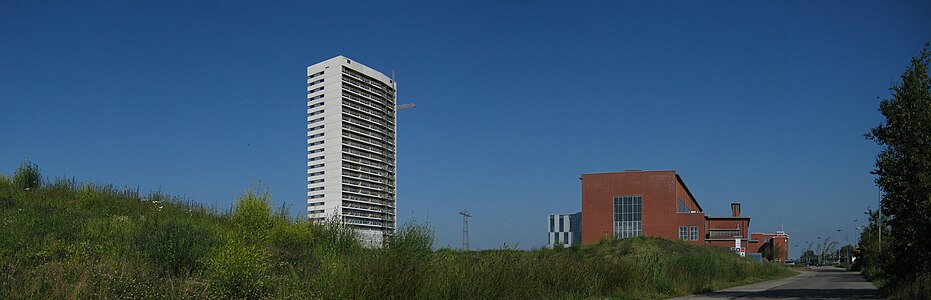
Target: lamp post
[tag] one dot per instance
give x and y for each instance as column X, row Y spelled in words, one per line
column 838, row 250
column 821, row 249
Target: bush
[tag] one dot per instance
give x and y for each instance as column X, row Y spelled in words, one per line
column 5, row 182
column 336, row 237
column 27, row 176
column 239, row 271
column 252, row 217
column 412, row 239
column 293, row 243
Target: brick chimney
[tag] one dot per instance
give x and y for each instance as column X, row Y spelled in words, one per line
column 735, row 209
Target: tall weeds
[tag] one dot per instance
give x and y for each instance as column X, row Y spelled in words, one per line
column 69, row 240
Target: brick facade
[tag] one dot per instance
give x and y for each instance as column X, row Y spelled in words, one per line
column 662, row 214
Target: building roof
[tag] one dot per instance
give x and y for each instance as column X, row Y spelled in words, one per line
column 629, row 171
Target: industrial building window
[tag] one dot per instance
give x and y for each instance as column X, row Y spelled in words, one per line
column 565, row 237
column 684, row 233
column 681, row 207
column 552, row 223
column 724, row 234
column 562, row 227
column 693, row 234
column 628, row 216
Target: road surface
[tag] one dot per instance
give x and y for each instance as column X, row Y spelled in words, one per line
column 819, row 283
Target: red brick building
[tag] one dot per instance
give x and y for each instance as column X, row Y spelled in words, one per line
column 634, row 203
column 657, row 204
column 724, row 231
column 778, row 242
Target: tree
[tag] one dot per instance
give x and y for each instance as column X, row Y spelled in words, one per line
column 845, row 252
column 771, row 252
column 871, row 256
column 808, row 256
column 904, row 169
column 825, row 249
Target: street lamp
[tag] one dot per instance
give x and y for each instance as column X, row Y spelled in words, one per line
column 821, row 248
column 838, row 250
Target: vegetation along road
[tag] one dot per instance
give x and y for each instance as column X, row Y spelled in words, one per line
column 819, row 283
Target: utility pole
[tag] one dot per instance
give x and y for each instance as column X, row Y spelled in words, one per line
column 465, row 228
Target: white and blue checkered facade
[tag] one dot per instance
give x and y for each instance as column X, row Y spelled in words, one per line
column 565, row 229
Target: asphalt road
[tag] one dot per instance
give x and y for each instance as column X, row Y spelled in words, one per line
column 819, row 283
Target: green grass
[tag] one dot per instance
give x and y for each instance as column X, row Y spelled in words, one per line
column 66, row 240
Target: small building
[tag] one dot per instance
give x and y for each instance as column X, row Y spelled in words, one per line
column 727, row 231
column 565, row 229
column 777, row 242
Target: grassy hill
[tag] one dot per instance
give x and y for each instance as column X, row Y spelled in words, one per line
column 67, row 240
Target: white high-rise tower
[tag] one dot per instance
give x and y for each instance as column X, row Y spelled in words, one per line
column 351, row 147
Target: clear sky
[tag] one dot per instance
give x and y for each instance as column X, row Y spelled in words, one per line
column 764, row 103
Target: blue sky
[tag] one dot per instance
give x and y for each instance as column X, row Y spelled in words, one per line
column 764, row 103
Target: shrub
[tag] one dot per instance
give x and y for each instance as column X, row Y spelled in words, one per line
column 415, row 240
column 5, row 182
column 336, row 237
column 27, row 176
column 238, row 271
column 294, row 242
column 252, row 217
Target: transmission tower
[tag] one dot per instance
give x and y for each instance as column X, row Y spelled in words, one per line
column 465, row 229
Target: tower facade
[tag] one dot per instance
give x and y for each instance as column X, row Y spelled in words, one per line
column 351, row 116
